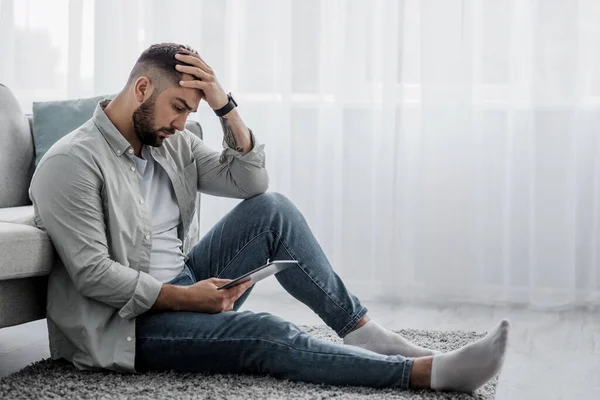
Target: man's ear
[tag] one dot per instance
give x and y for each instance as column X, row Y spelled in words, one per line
column 142, row 89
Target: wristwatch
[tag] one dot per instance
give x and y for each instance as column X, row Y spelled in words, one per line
column 227, row 107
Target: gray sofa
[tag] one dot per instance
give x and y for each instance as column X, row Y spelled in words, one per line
column 26, row 253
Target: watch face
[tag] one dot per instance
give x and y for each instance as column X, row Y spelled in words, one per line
column 232, row 99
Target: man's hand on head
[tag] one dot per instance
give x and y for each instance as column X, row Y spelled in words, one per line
column 206, row 81
column 235, row 133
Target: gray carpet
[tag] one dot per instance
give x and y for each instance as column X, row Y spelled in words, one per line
column 50, row 380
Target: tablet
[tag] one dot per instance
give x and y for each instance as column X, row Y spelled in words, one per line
column 270, row 268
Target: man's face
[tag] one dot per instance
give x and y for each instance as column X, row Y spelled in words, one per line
column 162, row 114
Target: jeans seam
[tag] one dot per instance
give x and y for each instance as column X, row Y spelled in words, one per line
column 406, row 370
column 255, row 340
column 252, row 239
column 316, row 282
column 354, row 319
column 293, row 257
column 352, row 323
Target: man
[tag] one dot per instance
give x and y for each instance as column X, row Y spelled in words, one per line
column 116, row 197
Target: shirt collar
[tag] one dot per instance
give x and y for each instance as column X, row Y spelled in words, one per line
column 115, row 139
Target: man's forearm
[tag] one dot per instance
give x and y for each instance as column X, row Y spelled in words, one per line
column 171, row 298
column 236, row 134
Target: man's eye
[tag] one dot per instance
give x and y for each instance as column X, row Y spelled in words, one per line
column 178, row 109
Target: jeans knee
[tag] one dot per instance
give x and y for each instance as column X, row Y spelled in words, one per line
column 277, row 327
column 272, row 198
column 276, row 211
column 276, row 202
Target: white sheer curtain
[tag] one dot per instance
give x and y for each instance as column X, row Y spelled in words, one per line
column 441, row 150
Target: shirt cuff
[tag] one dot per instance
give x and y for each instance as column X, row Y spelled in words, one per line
column 146, row 292
column 255, row 157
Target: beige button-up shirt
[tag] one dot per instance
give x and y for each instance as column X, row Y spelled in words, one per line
column 86, row 196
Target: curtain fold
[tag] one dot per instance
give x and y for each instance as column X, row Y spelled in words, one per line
column 441, row 150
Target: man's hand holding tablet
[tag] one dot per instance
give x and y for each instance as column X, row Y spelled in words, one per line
column 260, row 273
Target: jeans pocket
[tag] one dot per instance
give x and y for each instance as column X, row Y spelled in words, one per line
column 185, row 277
column 188, row 272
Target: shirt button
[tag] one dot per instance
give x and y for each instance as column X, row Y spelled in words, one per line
column 147, row 237
column 129, row 338
column 119, row 152
column 130, row 151
column 133, row 169
column 141, row 201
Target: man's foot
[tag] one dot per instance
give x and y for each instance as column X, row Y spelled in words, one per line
column 373, row 337
column 470, row 367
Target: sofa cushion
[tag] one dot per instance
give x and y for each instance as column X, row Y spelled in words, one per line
column 16, row 152
column 54, row 119
column 18, row 215
column 26, row 251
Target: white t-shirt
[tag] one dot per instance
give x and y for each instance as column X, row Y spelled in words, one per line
column 166, row 257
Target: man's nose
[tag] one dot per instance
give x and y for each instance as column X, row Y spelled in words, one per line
column 179, row 123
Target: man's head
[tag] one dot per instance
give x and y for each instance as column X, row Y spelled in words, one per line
column 162, row 103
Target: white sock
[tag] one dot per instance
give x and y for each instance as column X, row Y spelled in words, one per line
column 373, row 337
column 471, row 366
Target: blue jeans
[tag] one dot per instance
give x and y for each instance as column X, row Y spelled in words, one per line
column 267, row 226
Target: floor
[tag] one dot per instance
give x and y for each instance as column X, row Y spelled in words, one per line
column 552, row 355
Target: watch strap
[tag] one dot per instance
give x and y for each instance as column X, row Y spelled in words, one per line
column 231, row 104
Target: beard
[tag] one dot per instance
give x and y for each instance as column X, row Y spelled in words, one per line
column 143, row 123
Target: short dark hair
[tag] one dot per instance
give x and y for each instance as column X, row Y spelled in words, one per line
column 158, row 62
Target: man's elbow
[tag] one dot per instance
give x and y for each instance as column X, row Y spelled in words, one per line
column 259, row 185
column 263, row 184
